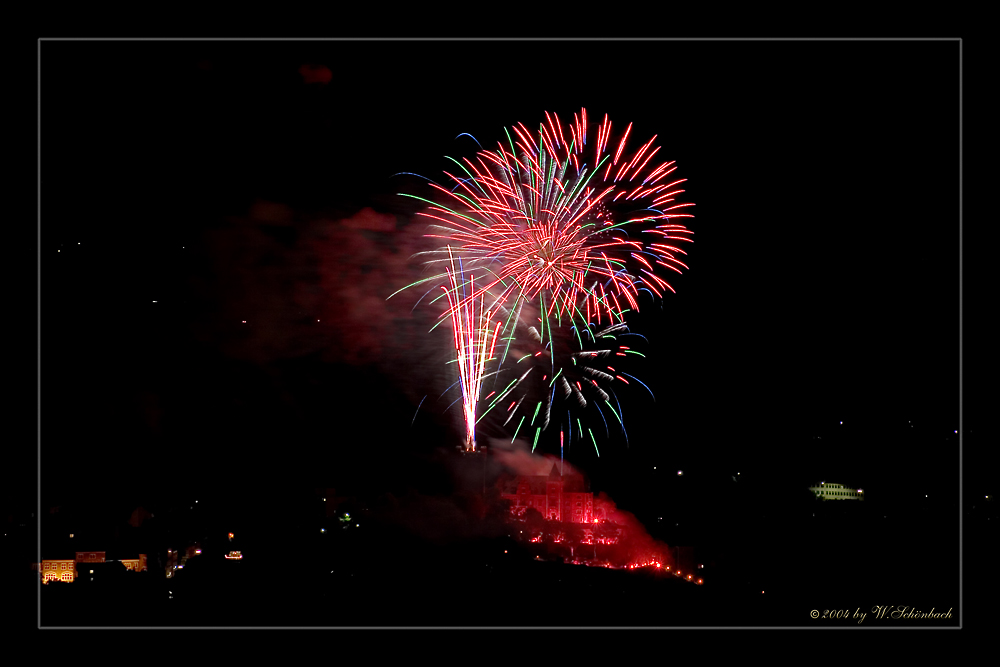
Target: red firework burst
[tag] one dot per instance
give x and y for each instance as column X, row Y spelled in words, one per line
column 535, row 219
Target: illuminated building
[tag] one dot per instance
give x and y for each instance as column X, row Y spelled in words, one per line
column 62, row 569
column 135, row 564
column 90, row 556
column 557, row 498
column 578, row 526
column 828, row 491
column 68, row 569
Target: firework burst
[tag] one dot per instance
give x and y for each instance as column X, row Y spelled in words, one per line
column 582, row 388
column 546, row 221
column 536, row 220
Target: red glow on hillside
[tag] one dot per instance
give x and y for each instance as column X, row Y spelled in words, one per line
column 557, row 514
column 552, row 512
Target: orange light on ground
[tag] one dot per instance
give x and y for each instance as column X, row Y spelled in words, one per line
column 700, row 581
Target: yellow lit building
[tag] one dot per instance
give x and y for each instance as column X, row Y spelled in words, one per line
column 90, row 556
column 828, row 491
column 135, row 564
column 63, row 569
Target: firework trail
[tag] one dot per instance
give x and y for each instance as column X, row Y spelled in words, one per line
column 472, row 337
column 536, row 222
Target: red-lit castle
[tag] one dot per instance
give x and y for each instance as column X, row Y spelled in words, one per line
column 577, row 526
column 557, row 498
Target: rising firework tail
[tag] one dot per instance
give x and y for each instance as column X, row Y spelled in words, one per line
column 474, row 342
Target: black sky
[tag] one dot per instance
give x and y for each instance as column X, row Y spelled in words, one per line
column 823, row 287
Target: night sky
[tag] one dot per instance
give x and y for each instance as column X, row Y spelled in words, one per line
column 189, row 186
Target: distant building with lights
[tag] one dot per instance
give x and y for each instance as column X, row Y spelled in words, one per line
column 557, row 498
column 56, row 569
column 828, row 491
column 91, row 556
column 68, row 569
column 135, row 564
